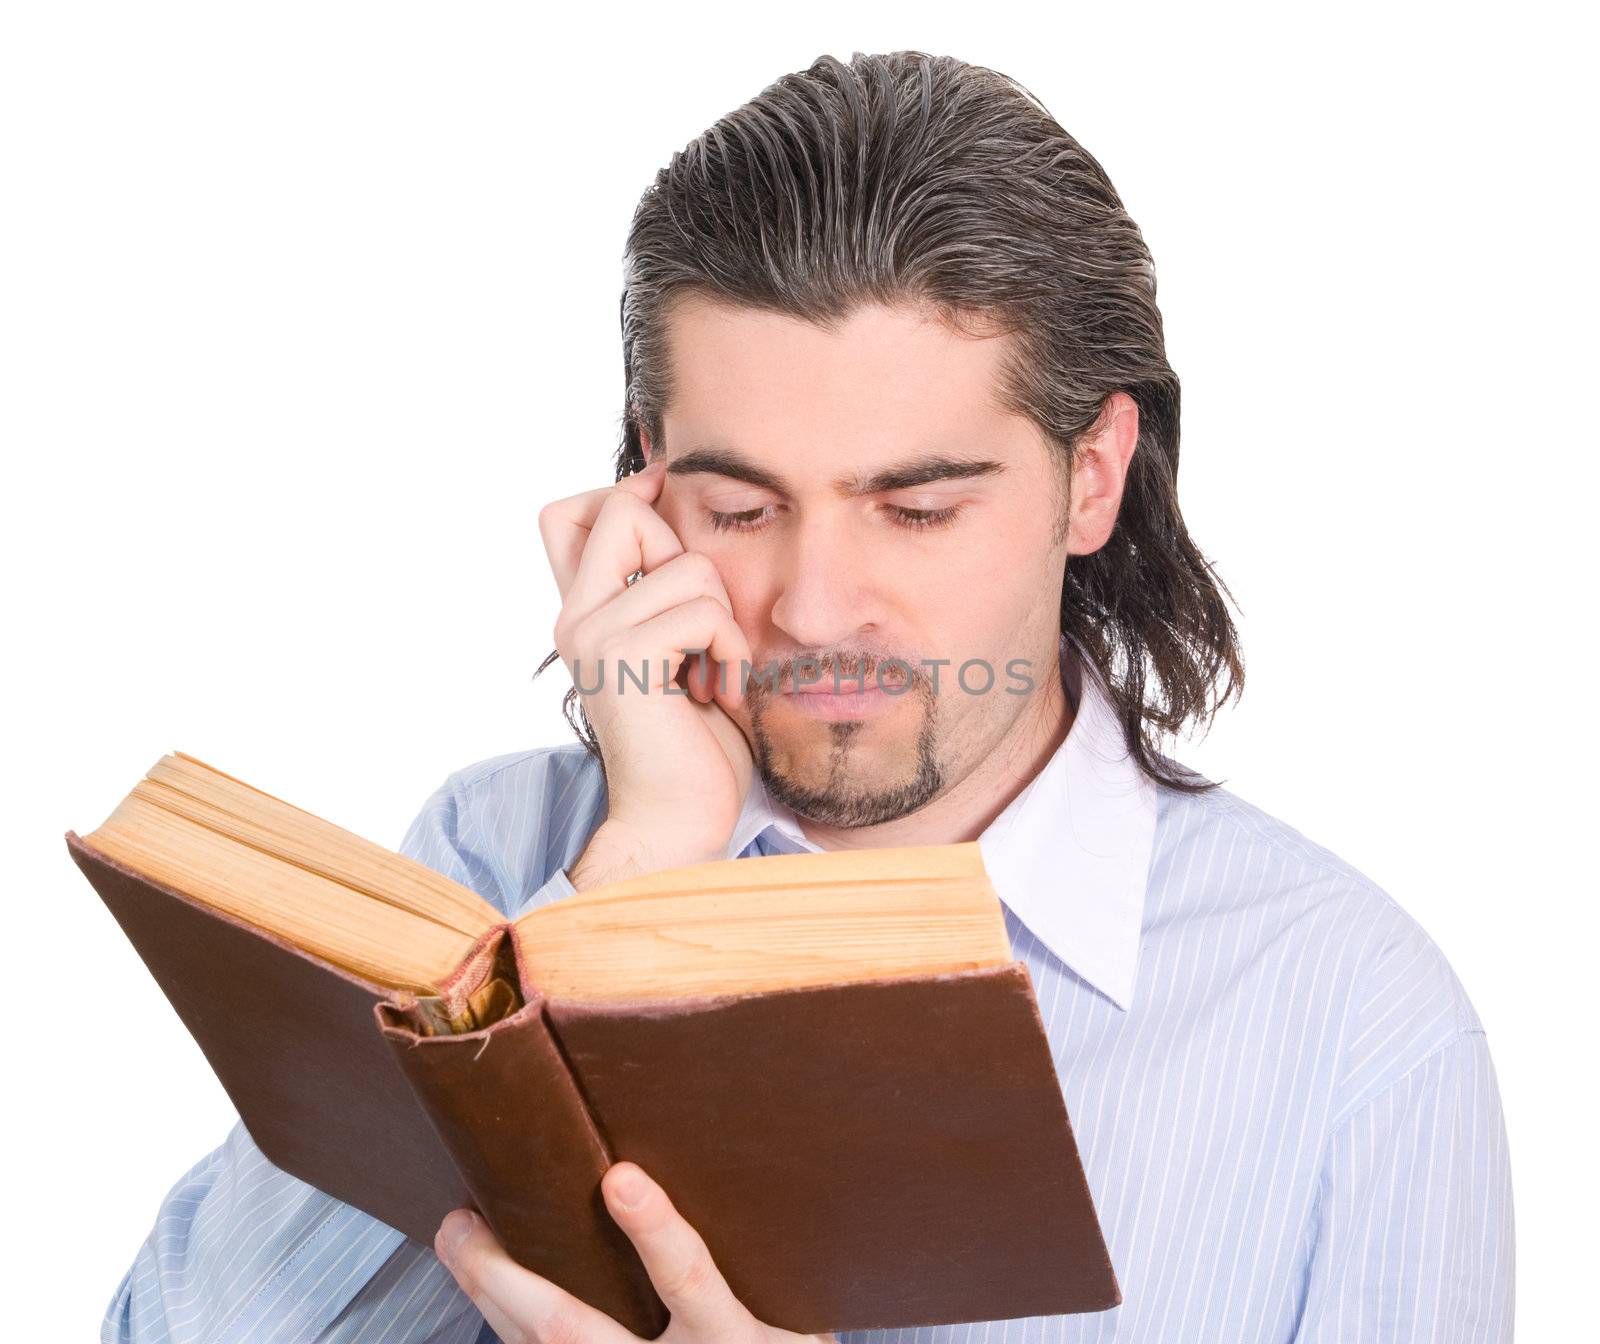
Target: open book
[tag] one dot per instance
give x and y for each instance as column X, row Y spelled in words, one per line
column 831, row 1062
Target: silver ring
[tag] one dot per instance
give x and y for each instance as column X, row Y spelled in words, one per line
column 634, row 577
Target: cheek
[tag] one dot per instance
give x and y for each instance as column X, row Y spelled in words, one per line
column 743, row 572
column 987, row 589
column 1001, row 565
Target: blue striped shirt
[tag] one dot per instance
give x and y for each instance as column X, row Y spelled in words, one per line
column 1283, row 1099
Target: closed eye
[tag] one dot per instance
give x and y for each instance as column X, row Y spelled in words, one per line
column 746, row 520
column 915, row 520
column 924, row 519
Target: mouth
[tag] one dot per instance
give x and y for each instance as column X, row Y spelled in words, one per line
column 841, row 704
column 857, row 697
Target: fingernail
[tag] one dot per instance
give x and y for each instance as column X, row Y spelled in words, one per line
column 455, row 1229
column 631, row 1188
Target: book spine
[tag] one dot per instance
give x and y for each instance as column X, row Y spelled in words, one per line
column 506, row 1107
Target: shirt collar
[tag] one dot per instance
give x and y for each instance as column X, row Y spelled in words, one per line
column 1069, row 855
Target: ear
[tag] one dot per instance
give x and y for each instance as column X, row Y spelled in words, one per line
column 1100, row 473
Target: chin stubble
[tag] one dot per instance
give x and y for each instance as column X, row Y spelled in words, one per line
column 835, row 802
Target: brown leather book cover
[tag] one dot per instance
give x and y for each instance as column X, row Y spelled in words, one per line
column 884, row 1153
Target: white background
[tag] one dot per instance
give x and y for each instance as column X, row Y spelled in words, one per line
column 308, row 308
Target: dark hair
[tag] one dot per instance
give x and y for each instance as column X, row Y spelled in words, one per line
column 922, row 180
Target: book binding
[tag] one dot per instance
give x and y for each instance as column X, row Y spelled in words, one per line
column 504, row 1104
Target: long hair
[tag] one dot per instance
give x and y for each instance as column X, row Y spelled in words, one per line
column 921, row 180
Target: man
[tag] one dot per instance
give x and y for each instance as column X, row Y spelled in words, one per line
column 895, row 365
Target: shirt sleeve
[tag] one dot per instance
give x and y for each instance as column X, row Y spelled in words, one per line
column 243, row 1251
column 1413, row 1235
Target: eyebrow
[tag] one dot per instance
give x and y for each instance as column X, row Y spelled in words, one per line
column 715, row 461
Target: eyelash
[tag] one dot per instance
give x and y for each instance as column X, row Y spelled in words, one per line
column 914, row 520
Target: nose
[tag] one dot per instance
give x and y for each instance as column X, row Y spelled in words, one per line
column 830, row 592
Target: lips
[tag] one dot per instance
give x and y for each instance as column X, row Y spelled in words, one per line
column 853, row 683
column 829, row 705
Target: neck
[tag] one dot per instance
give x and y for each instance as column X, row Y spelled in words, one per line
column 965, row 809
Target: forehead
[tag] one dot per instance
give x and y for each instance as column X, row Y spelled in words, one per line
column 884, row 381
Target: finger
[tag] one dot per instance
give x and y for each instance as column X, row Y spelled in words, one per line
column 674, row 1255
column 628, row 535
column 521, row 1306
column 682, row 579
column 565, row 524
column 564, row 527
column 655, row 650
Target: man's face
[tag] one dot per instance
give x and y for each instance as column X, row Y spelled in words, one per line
column 816, row 570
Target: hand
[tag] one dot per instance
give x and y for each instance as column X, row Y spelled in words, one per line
column 524, row 1308
column 677, row 766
